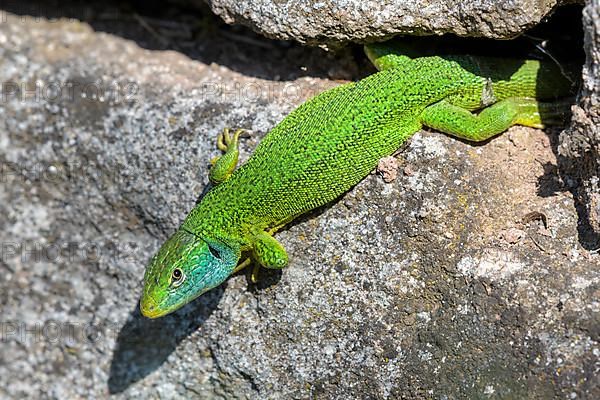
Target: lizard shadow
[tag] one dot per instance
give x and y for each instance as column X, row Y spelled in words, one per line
column 143, row 344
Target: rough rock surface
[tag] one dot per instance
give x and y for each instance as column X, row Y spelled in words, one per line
column 580, row 145
column 432, row 286
column 326, row 21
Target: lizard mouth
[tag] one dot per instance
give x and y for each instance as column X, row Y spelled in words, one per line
column 149, row 308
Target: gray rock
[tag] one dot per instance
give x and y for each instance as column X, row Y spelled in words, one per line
column 580, row 145
column 331, row 21
column 399, row 290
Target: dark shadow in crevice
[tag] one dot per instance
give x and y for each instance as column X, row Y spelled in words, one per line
column 577, row 171
column 570, row 173
column 197, row 33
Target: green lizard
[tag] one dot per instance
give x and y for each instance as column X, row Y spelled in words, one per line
column 329, row 144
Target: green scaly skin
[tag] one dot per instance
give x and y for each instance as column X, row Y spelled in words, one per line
column 329, row 144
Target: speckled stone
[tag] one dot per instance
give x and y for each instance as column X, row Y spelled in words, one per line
column 327, row 21
column 580, row 145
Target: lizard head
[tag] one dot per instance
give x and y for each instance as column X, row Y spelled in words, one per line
column 185, row 267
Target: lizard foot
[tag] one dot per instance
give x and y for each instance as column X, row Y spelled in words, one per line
column 223, row 166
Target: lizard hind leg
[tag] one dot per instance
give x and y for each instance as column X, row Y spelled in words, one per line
column 223, row 166
column 460, row 122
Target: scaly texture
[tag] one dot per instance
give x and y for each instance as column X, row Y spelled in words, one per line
column 330, row 143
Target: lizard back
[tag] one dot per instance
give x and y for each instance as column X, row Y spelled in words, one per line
column 327, row 145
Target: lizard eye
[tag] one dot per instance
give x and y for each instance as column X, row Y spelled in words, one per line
column 215, row 253
column 177, row 277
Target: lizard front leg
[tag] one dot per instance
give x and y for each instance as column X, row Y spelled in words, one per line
column 223, row 166
column 266, row 251
column 269, row 252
